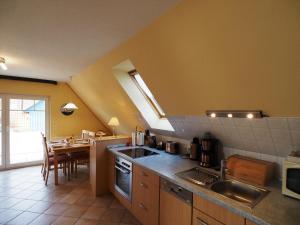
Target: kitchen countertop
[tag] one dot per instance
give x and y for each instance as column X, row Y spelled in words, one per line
column 274, row 209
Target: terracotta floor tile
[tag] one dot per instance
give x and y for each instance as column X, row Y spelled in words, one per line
column 108, row 223
column 87, row 222
column 8, row 202
column 116, row 205
column 70, row 198
column 39, row 207
column 24, row 204
column 104, row 201
column 113, row 215
column 57, row 209
column 93, row 213
column 85, row 200
column 65, row 221
column 75, row 211
column 8, row 215
column 24, row 218
column 128, row 218
column 44, row 220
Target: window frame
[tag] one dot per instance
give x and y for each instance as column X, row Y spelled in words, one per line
column 132, row 74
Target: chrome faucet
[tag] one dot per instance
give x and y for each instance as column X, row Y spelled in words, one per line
column 223, row 169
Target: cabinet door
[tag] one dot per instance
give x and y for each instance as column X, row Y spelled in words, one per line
column 111, row 172
column 173, row 211
column 217, row 212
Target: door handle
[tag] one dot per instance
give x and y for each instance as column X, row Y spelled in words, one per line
column 200, row 221
column 121, row 170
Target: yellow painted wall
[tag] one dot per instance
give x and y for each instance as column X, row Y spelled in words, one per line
column 206, row 55
column 60, row 125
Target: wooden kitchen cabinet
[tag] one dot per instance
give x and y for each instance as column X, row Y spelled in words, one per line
column 145, row 196
column 100, row 164
column 173, row 211
column 248, row 222
column 217, row 212
column 111, row 172
column 200, row 218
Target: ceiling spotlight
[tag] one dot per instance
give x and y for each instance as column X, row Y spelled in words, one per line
column 250, row 116
column 213, row 115
column 2, row 63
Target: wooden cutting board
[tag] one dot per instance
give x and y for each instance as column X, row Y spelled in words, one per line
column 250, row 170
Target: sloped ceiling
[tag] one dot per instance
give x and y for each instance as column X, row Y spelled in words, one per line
column 204, row 55
column 56, row 39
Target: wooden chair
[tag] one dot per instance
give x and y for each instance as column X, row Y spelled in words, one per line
column 63, row 160
column 76, row 158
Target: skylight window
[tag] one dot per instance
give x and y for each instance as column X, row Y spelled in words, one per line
column 139, row 93
column 147, row 93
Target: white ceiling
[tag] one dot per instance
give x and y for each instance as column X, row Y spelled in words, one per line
column 55, row 39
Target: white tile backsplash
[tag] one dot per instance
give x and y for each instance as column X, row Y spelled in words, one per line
column 277, row 123
column 275, row 136
column 294, row 123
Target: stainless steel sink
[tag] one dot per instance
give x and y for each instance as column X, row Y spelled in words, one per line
column 243, row 193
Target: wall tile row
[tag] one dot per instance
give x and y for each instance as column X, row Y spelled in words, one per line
column 270, row 136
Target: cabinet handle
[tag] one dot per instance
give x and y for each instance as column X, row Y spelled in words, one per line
column 143, row 185
column 141, row 205
column 200, row 221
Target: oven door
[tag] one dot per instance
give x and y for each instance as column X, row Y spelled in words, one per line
column 123, row 179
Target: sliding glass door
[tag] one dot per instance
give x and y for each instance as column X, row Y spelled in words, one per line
column 25, row 120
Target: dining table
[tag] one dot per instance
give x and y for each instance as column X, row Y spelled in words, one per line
column 64, row 148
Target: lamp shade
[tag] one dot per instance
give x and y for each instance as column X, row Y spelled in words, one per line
column 114, row 122
column 70, row 105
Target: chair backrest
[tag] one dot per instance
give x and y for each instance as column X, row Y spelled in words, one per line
column 45, row 147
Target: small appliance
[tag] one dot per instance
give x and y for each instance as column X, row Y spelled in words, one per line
column 172, row 147
column 291, row 175
column 209, row 151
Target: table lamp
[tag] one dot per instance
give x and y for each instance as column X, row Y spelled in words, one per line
column 114, row 122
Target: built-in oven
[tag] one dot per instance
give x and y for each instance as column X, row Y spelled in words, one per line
column 123, row 177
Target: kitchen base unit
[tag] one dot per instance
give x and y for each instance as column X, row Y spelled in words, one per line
column 175, row 204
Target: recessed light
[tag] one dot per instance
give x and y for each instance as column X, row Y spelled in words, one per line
column 250, row 116
column 236, row 113
column 213, row 115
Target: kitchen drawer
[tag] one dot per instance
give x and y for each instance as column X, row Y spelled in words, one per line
column 200, row 218
column 217, row 212
column 145, row 198
column 145, row 176
column 146, row 193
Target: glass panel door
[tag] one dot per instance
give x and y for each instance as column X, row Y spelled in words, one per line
column 27, row 119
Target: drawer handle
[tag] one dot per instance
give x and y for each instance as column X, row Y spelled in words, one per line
column 141, row 205
column 143, row 185
column 200, row 221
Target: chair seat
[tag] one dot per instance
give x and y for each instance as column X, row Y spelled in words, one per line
column 60, row 159
column 79, row 155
